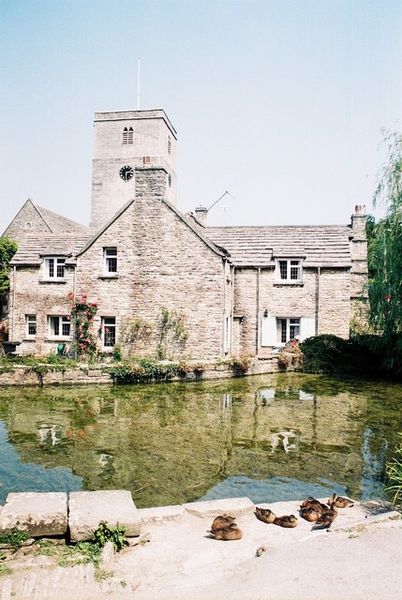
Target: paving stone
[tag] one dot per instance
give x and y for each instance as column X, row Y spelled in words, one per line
column 88, row 509
column 160, row 514
column 39, row 514
column 209, row 508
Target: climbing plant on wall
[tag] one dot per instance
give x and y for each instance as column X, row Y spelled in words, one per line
column 82, row 316
column 172, row 333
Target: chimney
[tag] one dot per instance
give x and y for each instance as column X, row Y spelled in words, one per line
column 150, row 181
column 359, row 222
column 201, row 214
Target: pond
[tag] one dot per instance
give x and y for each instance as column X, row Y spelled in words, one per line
column 272, row 437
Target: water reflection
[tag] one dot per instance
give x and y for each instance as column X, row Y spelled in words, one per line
column 269, row 438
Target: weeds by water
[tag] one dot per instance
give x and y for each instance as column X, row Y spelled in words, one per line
column 393, row 471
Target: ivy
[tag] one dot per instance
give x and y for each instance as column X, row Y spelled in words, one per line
column 82, row 316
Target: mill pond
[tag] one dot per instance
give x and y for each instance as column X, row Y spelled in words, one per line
column 272, row 437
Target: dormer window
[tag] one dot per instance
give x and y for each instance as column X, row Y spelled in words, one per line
column 54, row 267
column 289, row 270
column 128, row 136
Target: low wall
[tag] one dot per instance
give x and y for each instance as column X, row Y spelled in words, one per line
column 23, row 375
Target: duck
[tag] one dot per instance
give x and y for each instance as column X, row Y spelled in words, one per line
column 264, row 514
column 222, row 521
column 314, row 504
column 326, row 519
column 309, row 514
column 286, row 521
column 231, row 532
column 340, row 501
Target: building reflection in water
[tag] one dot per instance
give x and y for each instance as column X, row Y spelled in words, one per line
column 175, row 442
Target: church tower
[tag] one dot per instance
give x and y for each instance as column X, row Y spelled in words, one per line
column 124, row 141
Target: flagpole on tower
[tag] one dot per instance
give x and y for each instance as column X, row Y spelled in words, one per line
column 138, row 82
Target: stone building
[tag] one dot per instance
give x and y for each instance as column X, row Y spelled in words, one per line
column 166, row 283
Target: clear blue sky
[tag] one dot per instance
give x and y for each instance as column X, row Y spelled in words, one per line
column 280, row 102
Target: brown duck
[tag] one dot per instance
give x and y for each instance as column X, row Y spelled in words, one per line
column 326, row 519
column 309, row 514
column 222, row 521
column 286, row 521
column 340, row 501
column 316, row 505
column 264, row 514
column 231, row 532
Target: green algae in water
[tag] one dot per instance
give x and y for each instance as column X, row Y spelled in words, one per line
column 274, row 437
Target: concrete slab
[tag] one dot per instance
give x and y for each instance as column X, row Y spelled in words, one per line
column 88, row 509
column 161, row 514
column 210, row 508
column 39, row 514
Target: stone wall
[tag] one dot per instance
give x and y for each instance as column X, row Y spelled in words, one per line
column 162, row 263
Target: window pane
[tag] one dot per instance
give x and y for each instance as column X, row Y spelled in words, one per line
column 294, row 269
column 60, row 267
column 109, row 337
column 31, row 324
column 282, row 330
column 65, row 326
column 54, row 325
column 50, row 267
column 283, row 268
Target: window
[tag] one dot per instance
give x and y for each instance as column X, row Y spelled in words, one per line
column 59, row 327
column 146, row 160
column 54, row 267
column 108, row 332
column 169, row 145
column 169, row 180
column 30, row 321
column 287, row 329
column 110, row 260
column 289, row 270
column 128, row 136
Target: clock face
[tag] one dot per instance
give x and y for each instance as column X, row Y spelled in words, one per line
column 126, row 173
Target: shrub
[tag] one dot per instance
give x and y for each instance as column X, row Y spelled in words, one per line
column 393, row 472
column 241, row 364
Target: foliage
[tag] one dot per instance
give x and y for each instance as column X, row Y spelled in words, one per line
column 240, row 364
column 13, row 537
column 393, row 472
column 142, row 370
column 185, row 367
column 108, row 533
column 133, row 333
column 385, row 245
column 5, row 570
column 82, row 315
column 172, row 333
column 369, row 355
column 290, row 356
column 7, row 251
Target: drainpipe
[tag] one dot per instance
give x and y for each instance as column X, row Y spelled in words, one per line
column 224, row 308
column 257, row 340
column 13, row 304
column 317, row 298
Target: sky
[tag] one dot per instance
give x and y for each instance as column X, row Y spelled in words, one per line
column 282, row 103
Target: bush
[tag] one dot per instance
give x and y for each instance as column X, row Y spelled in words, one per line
column 393, row 472
column 241, row 364
column 143, row 370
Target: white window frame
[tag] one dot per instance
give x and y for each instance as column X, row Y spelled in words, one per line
column 56, row 331
column 51, row 268
column 291, row 265
column 109, row 255
column 294, row 322
column 30, row 321
column 108, row 347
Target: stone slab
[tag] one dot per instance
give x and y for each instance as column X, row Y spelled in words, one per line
column 38, row 514
column 160, row 514
column 88, row 509
column 209, row 508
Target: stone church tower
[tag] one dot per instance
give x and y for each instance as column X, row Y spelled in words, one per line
column 125, row 141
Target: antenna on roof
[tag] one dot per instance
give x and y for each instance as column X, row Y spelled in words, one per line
column 219, row 199
column 138, row 82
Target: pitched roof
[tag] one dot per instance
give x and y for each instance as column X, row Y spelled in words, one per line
column 31, row 250
column 214, row 247
column 319, row 245
column 58, row 224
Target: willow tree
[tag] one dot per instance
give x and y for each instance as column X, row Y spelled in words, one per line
column 385, row 249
